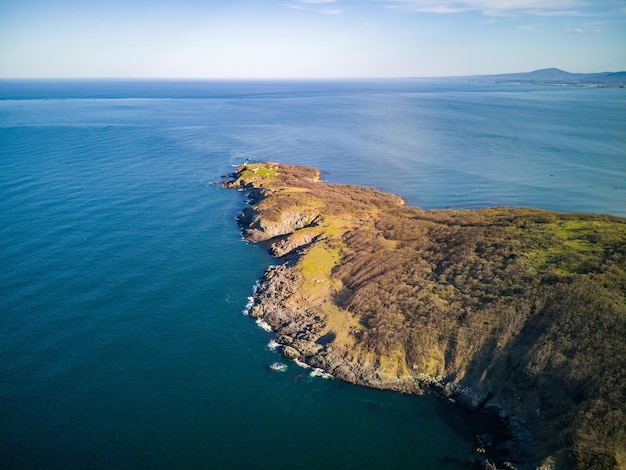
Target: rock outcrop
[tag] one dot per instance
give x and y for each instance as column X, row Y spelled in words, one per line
column 258, row 228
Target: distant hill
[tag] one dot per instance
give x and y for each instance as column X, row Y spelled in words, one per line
column 555, row 77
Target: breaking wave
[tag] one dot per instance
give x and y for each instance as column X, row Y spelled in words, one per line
column 278, row 367
column 301, row 364
column 320, row 373
column 250, row 303
column 263, row 325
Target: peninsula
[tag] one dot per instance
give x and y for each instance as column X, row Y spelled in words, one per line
column 517, row 313
column 555, row 77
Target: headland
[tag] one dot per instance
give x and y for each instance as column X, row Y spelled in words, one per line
column 515, row 313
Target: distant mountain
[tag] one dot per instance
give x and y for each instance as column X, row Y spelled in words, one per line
column 555, row 77
column 543, row 74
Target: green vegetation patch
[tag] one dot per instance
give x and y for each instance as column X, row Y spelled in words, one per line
column 573, row 246
column 251, row 171
column 316, row 267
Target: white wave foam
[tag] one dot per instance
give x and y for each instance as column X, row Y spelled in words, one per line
column 320, row 373
column 273, row 345
column 278, row 366
column 263, row 325
column 250, row 304
column 301, row 364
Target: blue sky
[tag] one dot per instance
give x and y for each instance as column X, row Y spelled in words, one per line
column 307, row 38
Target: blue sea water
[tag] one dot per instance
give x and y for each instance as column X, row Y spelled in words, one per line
column 124, row 276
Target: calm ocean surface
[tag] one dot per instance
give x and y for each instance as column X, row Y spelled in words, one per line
column 124, row 277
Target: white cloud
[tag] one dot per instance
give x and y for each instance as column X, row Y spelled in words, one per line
column 584, row 31
column 509, row 7
column 315, row 5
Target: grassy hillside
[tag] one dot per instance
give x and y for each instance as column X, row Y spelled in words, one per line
column 526, row 306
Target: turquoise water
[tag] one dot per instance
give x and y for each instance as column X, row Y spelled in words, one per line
column 124, row 275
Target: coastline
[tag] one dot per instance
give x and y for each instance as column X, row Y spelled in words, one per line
column 302, row 299
column 299, row 337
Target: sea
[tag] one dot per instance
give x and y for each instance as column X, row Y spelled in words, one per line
column 124, row 278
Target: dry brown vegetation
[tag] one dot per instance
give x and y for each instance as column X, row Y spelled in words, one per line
column 528, row 305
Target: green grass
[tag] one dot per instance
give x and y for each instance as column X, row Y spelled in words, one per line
column 571, row 246
column 257, row 170
column 317, row 264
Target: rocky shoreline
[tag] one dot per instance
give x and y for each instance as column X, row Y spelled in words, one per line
column 300, row 337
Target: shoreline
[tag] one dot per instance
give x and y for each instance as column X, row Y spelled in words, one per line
column 504, row 435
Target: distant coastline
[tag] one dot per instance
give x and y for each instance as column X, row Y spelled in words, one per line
column 513, row 313
column 554, row 77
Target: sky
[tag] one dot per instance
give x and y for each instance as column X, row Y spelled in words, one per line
column 220, row 39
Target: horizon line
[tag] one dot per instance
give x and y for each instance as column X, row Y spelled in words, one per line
column 282, row 78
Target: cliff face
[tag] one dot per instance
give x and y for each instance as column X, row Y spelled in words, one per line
column 517, row 312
